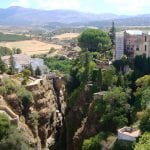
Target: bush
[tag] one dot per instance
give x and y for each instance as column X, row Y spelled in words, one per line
column 55, row 63
column 145, row 122
column 14, row 140
column 4, row 125
column 26, row 98
column 26, row 72
column 92, row 143
column 144, row 142
column 10, row 86
column 3, row 91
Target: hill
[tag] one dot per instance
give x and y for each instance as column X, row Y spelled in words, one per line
column 25, row 16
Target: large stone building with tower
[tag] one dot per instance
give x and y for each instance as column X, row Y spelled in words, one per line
column 132, row 43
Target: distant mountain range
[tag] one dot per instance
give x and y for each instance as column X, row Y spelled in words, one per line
column 26, row 16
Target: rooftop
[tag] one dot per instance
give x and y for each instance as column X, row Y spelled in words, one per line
column 129, row 132
column 137, row 32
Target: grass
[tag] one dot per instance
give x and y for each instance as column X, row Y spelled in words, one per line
column 66, row 36
column 12, row 37
column 31, row 47
column 62, row 65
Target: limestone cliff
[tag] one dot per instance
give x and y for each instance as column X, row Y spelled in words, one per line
column 50, row 106
column 49, row 102
column 82, row 120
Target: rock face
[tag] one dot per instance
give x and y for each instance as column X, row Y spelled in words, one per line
column 82, row 121
column 49, row 103
column 48, row 109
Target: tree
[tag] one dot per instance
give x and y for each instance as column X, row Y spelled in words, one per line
column 108, row 77
column 94, row 40
column 10, row 85
column 144, row 142
column 117, row 109
column 14, row 140
column 16, row 51
column 145, row 122
column 31, row 69
column 38, row 71
column 120, row 64
column 145, row 99
column 26, row 72
column 2, row 66
column 142, row 92
column 26, row 98
column 97, row 78
column 112, row 33
column 12, row 64
column 92, row 143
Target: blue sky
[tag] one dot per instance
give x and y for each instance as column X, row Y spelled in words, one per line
column 122, row 7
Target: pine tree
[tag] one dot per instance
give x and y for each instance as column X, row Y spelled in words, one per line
column 2, row 66
column 112, row 33
column 12, row 64
column 38, row 71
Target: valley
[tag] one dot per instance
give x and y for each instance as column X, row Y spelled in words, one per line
column 72, row 80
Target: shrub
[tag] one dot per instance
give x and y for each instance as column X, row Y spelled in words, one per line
column 14, row 140
column 10, row 86
column 3, row 91
column 144, row 142
column 145, row 122
column 26, row 98
column 4, row 125
column 92, row 143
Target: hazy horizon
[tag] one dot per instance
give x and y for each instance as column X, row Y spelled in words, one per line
column 119, row 7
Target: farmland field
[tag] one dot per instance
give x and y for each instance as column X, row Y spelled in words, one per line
column 66, row 36
column 31, row 47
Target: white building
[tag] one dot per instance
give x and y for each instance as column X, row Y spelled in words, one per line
column 39, row 62
column 128, row 134
column 132, row 43
column 23, row 60
column 119, row 45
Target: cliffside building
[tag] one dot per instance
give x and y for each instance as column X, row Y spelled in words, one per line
column 22, row 61
column 128, row 134
column 132, row 43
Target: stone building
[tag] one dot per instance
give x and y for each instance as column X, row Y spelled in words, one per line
column 22, row 61
column 132, row 43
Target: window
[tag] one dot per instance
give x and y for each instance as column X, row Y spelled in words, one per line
column 145, row 38
column 137, row 49
column 145, row 47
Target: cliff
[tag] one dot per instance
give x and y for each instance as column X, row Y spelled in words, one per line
column 46, row 116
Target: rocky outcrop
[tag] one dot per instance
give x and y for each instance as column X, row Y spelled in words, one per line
column 44, row 124
column 49, row 103
column 82, row 120
column 75, row 117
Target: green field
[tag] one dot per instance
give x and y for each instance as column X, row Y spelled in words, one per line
column 12, row 37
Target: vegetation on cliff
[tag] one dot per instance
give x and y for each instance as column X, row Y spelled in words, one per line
column 125, row 99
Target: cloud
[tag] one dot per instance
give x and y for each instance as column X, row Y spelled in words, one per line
column 23, row 3
column 129, row 6
column 58, row 4
column 97, row 6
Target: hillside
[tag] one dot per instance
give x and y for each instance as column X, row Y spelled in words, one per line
column 25, row 16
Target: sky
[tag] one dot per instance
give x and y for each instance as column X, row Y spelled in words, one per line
column 120, row 7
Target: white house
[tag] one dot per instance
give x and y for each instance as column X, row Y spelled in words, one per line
column 24, row 60
column 128, row 134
